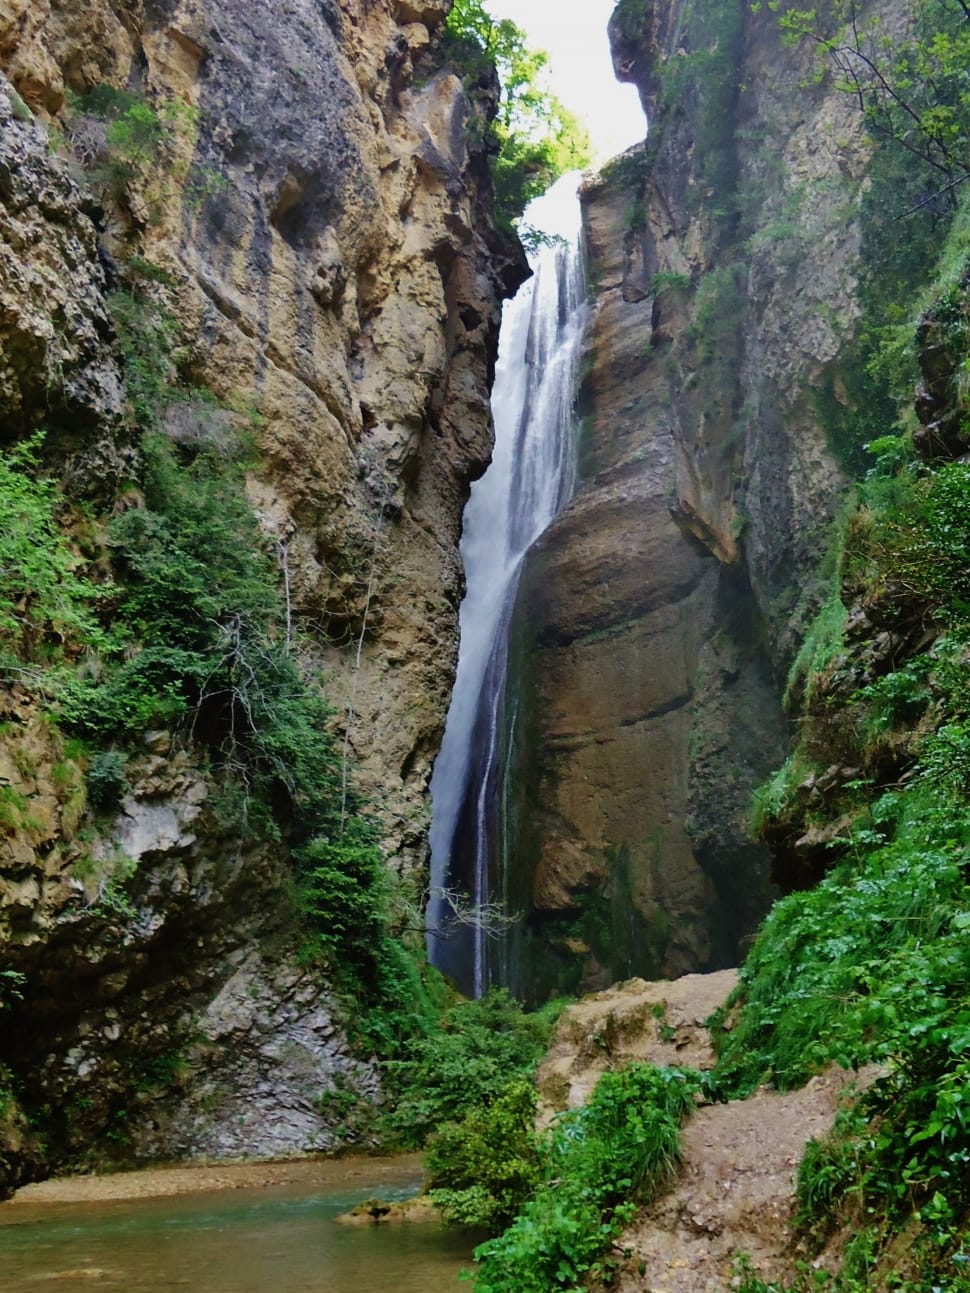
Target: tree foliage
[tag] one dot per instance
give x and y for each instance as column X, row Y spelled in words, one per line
column 914, row 92
column 466, row 1063
column 536, row 137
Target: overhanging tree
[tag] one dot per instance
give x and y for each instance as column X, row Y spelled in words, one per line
column 537, row 137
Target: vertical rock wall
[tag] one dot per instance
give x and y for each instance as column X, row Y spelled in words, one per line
column 659, row 615
column 320, row 227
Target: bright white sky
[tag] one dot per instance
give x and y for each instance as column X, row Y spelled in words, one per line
column 573, row 34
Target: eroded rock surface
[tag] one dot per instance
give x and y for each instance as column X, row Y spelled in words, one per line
column 317, row 238
column 56, row 362
column 658, row 616
column 661, row 1023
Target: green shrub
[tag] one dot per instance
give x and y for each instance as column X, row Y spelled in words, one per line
column 11, row 988
column 823, row 959
column 44, row 601
column 899, row 697
column 106, row 779
column 630, row 18
column 483, row 1169
column 872, row 964
column 720, row 298
column 668, row 281
column 141, row 142
column 828, row 1171
column 343, row 891
column 598, row 1163
column 150, row 339
column 466, row 1063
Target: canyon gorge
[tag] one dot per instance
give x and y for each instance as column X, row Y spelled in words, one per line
column 251, row 286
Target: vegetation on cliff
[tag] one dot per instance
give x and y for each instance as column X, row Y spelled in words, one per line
column 596, row 1164
column 535, row 138
column 144, row 608
column 152, row 601
column 867, row 959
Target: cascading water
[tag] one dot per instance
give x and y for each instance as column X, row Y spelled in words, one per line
column 530, row 478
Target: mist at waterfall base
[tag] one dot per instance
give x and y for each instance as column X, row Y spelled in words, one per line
column 530, row 479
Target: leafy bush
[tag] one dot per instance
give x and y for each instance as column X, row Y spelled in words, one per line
column 466, row 1063
column 191, row 629
column 343, row 887
column 630, row 18
column 44, row 601
column 202, row 643
column 598, row 1162
column 910, row 92
column 483, row 1169
column 150, row 339
column 668, row 281
column 899, row 697
column 106, row 779
column 902, row 1149
column 773, row 799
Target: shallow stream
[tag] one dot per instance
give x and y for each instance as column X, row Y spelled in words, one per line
column 266, row 1239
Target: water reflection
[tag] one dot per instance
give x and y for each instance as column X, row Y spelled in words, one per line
column 276, row 1239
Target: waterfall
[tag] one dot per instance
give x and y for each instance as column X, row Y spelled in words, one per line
column 530, row 478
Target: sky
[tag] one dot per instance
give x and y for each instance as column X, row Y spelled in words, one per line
column 573, row 34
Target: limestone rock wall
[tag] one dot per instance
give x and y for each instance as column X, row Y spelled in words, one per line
column 658, row 617
column 319, row 224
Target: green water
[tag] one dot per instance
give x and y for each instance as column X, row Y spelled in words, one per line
column 270, row 1239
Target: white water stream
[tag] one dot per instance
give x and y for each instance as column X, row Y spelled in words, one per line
column 529, row 480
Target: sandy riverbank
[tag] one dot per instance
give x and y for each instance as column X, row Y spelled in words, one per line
column 158, row 1182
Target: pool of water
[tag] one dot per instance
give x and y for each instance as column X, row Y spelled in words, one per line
column 266, row 1239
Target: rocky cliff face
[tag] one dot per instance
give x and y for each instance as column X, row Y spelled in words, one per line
column 660, row 612
column 318, row 225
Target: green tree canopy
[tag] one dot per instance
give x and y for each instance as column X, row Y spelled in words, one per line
column 914, row 89
column 538, row 138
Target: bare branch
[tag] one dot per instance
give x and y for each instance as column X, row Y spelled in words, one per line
column 490, row 917
column 933, row 197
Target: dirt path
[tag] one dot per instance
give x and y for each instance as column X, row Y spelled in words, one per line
column 735, row 1190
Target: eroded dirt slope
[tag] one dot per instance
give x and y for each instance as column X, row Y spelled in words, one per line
column 735, row 1191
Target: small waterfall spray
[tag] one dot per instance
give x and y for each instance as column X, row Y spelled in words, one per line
column 530, row 479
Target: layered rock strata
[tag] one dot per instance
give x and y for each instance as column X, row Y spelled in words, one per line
column 319, row 225
column 659, row 614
